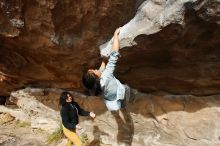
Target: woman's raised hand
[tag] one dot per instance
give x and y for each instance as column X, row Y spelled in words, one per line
column 92, row 114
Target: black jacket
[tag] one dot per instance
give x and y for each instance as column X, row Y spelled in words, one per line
column 69, row 114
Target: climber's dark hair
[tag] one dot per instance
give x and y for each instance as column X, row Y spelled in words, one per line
column 91, row 83
column 63, row 97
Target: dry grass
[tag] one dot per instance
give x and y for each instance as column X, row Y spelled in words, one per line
column 56, row 135
column 21, row 124
column 84, row 137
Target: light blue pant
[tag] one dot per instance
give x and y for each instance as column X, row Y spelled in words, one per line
column 118, row 104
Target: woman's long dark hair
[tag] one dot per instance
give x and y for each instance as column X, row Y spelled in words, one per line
column 63, row 97
column 92, row 83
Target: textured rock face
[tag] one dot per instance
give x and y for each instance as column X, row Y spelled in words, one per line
column 152, row 120
column 177, row 47
column 49, row 43
column 30, row 110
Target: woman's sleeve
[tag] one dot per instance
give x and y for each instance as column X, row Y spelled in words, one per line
column 110, row 67
column 64, row 116
column 81, row 111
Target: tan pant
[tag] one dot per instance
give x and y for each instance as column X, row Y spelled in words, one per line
column 72, row 137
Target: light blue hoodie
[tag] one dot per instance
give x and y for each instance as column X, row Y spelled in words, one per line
column 113, row 90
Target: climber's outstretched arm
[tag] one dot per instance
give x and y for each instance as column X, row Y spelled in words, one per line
column 110, row 66
column 115, row 45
